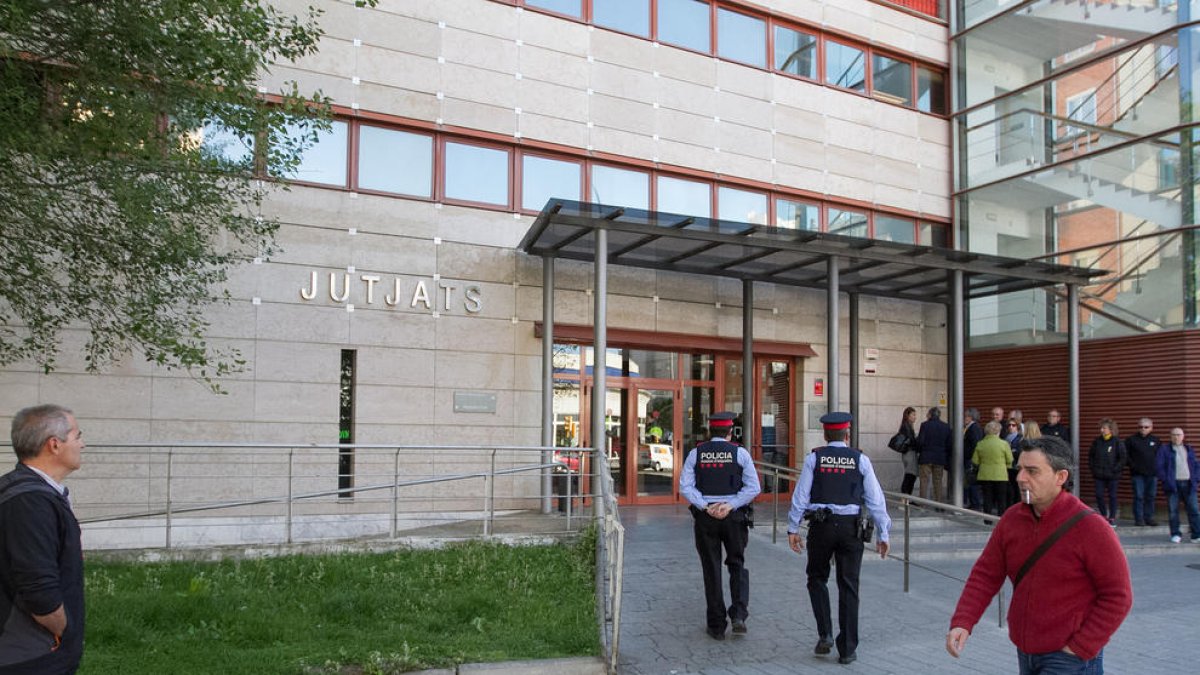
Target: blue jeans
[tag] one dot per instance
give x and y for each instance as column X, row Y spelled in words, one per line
column 1059, row 663
column 1144, row 490
column 1182, row 489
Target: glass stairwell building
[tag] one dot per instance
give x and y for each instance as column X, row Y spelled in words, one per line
column 1075, row 132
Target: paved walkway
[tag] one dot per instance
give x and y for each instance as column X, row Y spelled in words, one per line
column 662, row 628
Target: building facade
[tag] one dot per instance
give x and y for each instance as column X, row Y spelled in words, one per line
column 399, row 309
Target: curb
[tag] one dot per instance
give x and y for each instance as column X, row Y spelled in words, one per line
column 589, row 665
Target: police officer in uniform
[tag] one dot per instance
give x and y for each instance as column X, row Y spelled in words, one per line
column 719, row 481
column 835, row 482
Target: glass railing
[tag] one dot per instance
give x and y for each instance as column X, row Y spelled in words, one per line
column 974, row 12
column 1142, row 292
column 1069, row 40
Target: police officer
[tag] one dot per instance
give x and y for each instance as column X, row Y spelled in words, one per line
column 720, row 482
column 834, row 483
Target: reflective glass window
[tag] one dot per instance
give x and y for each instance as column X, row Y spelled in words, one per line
column 848, row 223
column 934, row 234
column 890, row 228
column 543, row 178
column 395, row 161
column 653, row 364
column 219, row 142
column 620, row 187
column 931, row 91
column 324, row 161
column 845, row 66
column 699, row 366
column 1082, row 107
column 686, row 197
column 891, row 79
column 797, row 215
column 476, row 174
column 569, row 7
column 685, row 23
column 630, row 16
column 741, row 38
column 741, row 205
column 795, row 52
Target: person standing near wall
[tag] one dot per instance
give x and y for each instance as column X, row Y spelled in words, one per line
column 1142, row 452
column 1180, row 473
column 933, row 440
column 993, row 457
column 908, row 456
column 1106, row 458
column 41, row 557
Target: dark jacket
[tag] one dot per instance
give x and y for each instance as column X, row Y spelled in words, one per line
column 971, row 438
column 41, row 568
column 1166, row 466
column 1060, row 430
column 933, row 441
column 1142, row 453
column 1107, row 458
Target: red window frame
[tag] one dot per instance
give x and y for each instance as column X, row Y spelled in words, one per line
column 441, row 177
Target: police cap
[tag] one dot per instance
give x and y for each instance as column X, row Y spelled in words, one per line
column 721, row 419
column 836, row 420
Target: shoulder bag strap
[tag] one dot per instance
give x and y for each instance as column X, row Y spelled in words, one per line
column 1047, row 543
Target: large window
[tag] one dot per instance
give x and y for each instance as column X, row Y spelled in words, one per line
column 796, row 215
column 325, row 161
column 687, row 197
column 741, row 205
column 395, row 161
column 685, row 23
column 476, row 174
column 796, row 52
column 218, row 142
column 845, row 66
column 848, row 223
column 741, row 38
column 891, row 228
column 623, row 187
column 543, row 178
column 891, row 79
column 569, row 7
column 931, row 90
column 630, row 16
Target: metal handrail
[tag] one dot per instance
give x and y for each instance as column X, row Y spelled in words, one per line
column 906, row 501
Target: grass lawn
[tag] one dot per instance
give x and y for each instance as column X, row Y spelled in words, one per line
column 356, row 613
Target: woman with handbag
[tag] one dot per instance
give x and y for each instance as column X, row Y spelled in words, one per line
column 905, row 442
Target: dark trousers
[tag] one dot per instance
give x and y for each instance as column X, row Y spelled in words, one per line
column 1144, row 490
column 910, row 480
column 835, row 539
column 1106, row 497
column 712, row 534
column 995, row 496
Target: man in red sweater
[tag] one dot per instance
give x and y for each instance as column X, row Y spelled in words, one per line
column 1072, row 600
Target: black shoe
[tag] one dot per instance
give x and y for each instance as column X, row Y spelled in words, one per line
column 739, row 626
column 1138, row 523
column 1151, row 523
column 715, row 633
column 824, row 646
column 849, row 658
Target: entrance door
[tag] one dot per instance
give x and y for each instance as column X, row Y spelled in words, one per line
column 657, row 453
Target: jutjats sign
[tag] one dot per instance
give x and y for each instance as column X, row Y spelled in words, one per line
column 435, row 295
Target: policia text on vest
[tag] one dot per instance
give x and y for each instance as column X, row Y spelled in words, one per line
column 835, row 484
column 720, row 482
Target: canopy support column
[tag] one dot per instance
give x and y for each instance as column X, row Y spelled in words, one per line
column 955, row 319
column 855, row 369
column 1073, row 379
column 600, row 364
column 832, row 337
column 748, row 364
column 547, row 376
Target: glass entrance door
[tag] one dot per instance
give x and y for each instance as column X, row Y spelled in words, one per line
column 658, row 461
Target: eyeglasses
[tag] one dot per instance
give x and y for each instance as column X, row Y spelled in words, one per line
column 1145, row 426
column 1012, row 424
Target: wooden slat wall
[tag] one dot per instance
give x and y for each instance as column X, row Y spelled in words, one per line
column 1127, row 378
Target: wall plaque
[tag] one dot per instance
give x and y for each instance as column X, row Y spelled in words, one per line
column 474, row 402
